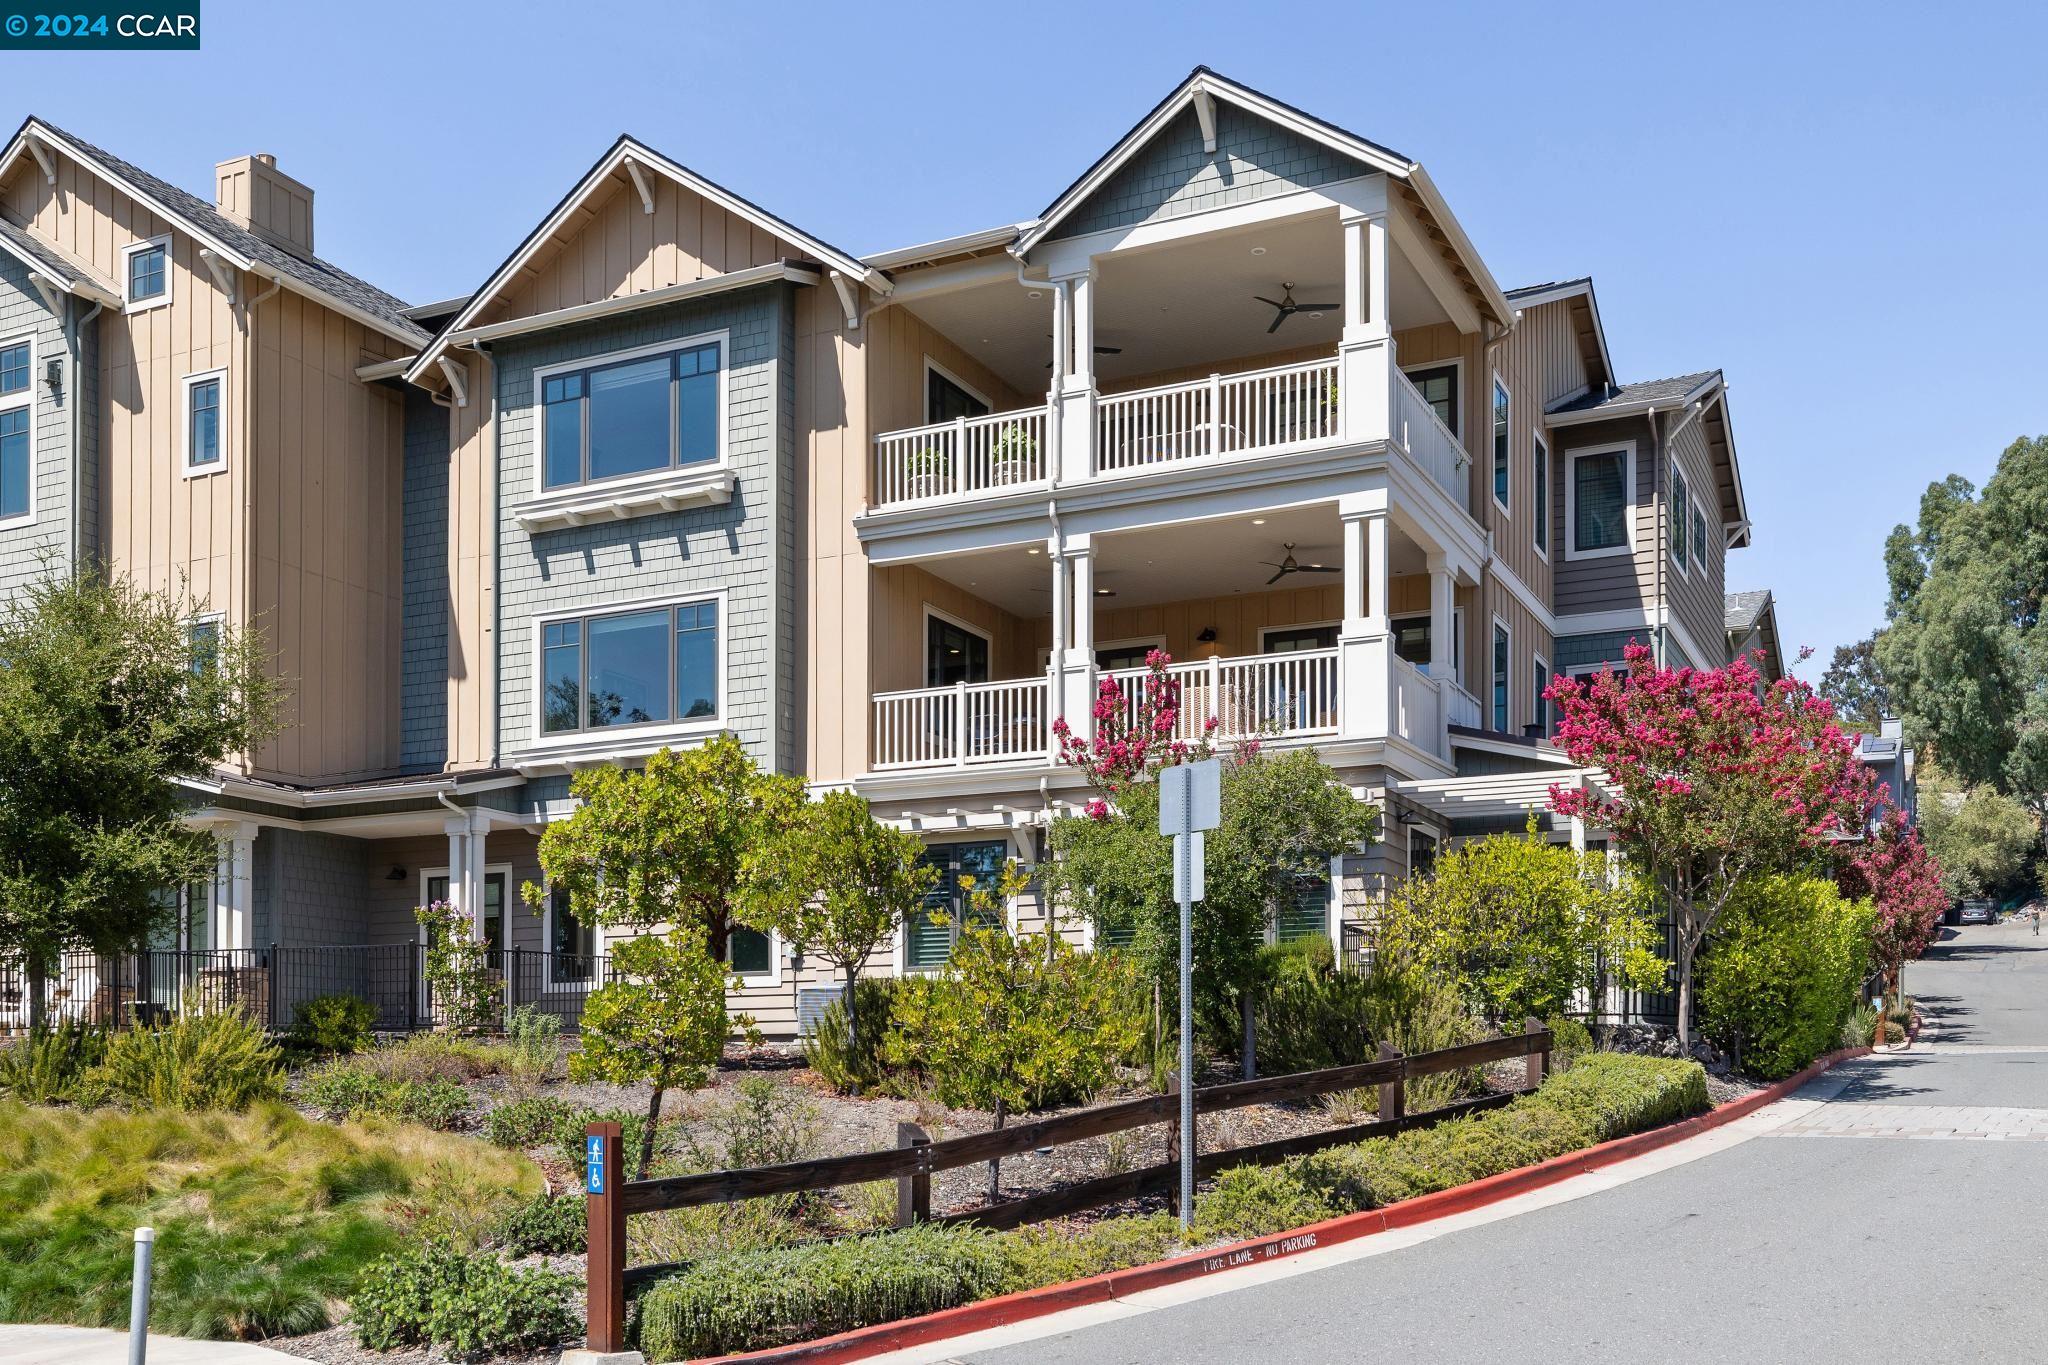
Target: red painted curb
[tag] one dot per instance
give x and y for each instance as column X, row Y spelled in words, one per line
column 863, row 1342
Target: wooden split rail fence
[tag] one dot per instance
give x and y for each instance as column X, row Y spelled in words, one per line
column 915, row 1158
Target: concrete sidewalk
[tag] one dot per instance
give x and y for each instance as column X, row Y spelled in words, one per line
column 94, row 1346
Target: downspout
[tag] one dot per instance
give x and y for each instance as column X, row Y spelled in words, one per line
column 74, row 522
column 1661, row 531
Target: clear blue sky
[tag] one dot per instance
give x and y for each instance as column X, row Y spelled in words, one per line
column 1843, row 208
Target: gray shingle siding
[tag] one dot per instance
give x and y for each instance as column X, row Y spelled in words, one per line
column 1576, row 651
column 29, row 550
column 745, row 548
column 309, row 888
column 423, row 676
column 1173, row 176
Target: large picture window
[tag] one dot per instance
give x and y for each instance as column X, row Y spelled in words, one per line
column 1598, row 498
column 654, row 666
column 634, row 415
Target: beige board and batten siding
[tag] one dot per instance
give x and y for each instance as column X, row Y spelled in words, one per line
column 833, row 440
column 472, row 641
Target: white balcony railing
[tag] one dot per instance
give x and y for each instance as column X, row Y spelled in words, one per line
column 1281, row 695
column 1217, row 417
column 965, row 456
column 1429, row 443
column 961, row 725
column 1464, row 708
column 1414, row 706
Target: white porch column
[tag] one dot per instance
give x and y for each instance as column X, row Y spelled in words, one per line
column 473, row 861
column 1084, row 329
column 1075, row 662
column 457, row 829
column 1364, row 645
column 1062, row 342
column 1443, row 656
column 1075, row 383
column 1366, row 352
column 220, row 922
column 242, row 878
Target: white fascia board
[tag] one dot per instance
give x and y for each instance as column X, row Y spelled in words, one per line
column 966, row 242
column 384, row 369
column 626, row 303
column 1447, row 222
column 1616, row 411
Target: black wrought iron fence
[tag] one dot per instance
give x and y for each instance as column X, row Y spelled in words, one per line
column 274, row 983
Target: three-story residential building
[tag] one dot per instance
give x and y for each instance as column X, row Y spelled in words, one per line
column 1245, row 392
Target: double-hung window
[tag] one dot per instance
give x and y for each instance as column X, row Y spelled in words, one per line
column 1500, row 443
column 1540, row 483
column 146, row 274
column 638, row 414
column 1438, row 385
column 1542, row 702
column 1502, row 651
column 571, row 945
column 1598, row 495
column 203, row 640
column 1679, row 510
column 17, row 431
column 1699, row 537
column 652, row 666
column 203, row 409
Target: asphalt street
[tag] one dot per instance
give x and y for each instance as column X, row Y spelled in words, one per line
column 1906, row 1218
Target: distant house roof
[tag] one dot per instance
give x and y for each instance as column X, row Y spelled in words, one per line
column 1637, row 397
column 1740, row 610
column 307, row 274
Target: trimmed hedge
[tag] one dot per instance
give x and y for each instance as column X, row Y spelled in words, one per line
column 1783, row 972
column 749, row 1300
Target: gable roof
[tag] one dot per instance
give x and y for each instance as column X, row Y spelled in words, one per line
column 1740, row 610
column 44, row 260
column 1558, row 291
column 1204, row 82
column 319, row 280
column 1628, row 400
column 1755, row 612
column 628, row 148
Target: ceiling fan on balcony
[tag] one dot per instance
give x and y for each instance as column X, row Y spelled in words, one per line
column 1285, row 307
column 1288, row 564
column 1099, row 350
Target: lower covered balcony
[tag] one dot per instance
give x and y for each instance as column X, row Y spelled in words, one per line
column 1272, row 621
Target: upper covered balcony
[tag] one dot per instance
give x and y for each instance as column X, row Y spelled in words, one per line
column 1115, row 364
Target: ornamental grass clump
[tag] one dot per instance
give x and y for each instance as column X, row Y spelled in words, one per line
column 753, row 1299
column 46, row 1066
column 205, row 1061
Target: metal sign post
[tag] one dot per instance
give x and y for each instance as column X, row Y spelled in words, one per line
column 1190, row 801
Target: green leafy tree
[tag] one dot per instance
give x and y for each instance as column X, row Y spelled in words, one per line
column 1855, row 686
column 106, row 703
column 1981, row 838
column 838, row 882
column 660, row 1019
column 667, row 844
column 1965, row 655
column 1016, row 1022
column 1518, row 924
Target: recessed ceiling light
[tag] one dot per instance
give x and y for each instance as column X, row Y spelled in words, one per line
column 1315, row 566
column 1258, row 521
column 1258, row 251
column 1105, row 592
column 1037, row 294
column 1034, row 550
column 1312, row 315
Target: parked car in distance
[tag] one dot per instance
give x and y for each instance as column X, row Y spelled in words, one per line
column 1977, row 912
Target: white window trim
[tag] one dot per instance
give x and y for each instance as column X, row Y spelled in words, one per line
column 547, row 946
column 1491, row 654
column 1540, row 667
column 25, row 400
column 643, row 477
column 758, row 980
column 1627, row 451
column 932, row 367
column 900, row 954
column 655, row 733
column 185, row 387
column 132, row 306
column 1678, row 495
column 1456, row 362
column 1427, row 832
column 924, row 641
column 1500, row 388
column 1700, row 522
column 427, row 874
column 1539, row 512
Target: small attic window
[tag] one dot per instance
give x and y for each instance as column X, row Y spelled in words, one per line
column 148, row 275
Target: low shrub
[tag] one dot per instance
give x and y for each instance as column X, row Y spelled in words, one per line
column 1253, row 1201
column 264, row 1220
column 1612, row 1094
column 331, row 1025
column 532, row 1046
column 47, row 1066
column 1419, row 1014
column 756, row 1299
column 762, row 1123
column 1782, row 973
column 1053, row 1253
column 436, row 1057
column 205, row 1061
column 1569, row 1040
column 1858, row 1030
column 569, row 1132
column 467, row 1302
column 548, row 1225
column 529, row 1121
column 435, row 1104
column 1307, row 1020
column 1381, row 1171
column 345, row 1090
column 853, row 1065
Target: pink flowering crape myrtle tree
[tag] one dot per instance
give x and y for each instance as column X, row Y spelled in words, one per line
column 1711, row 776
column 1892, row 868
